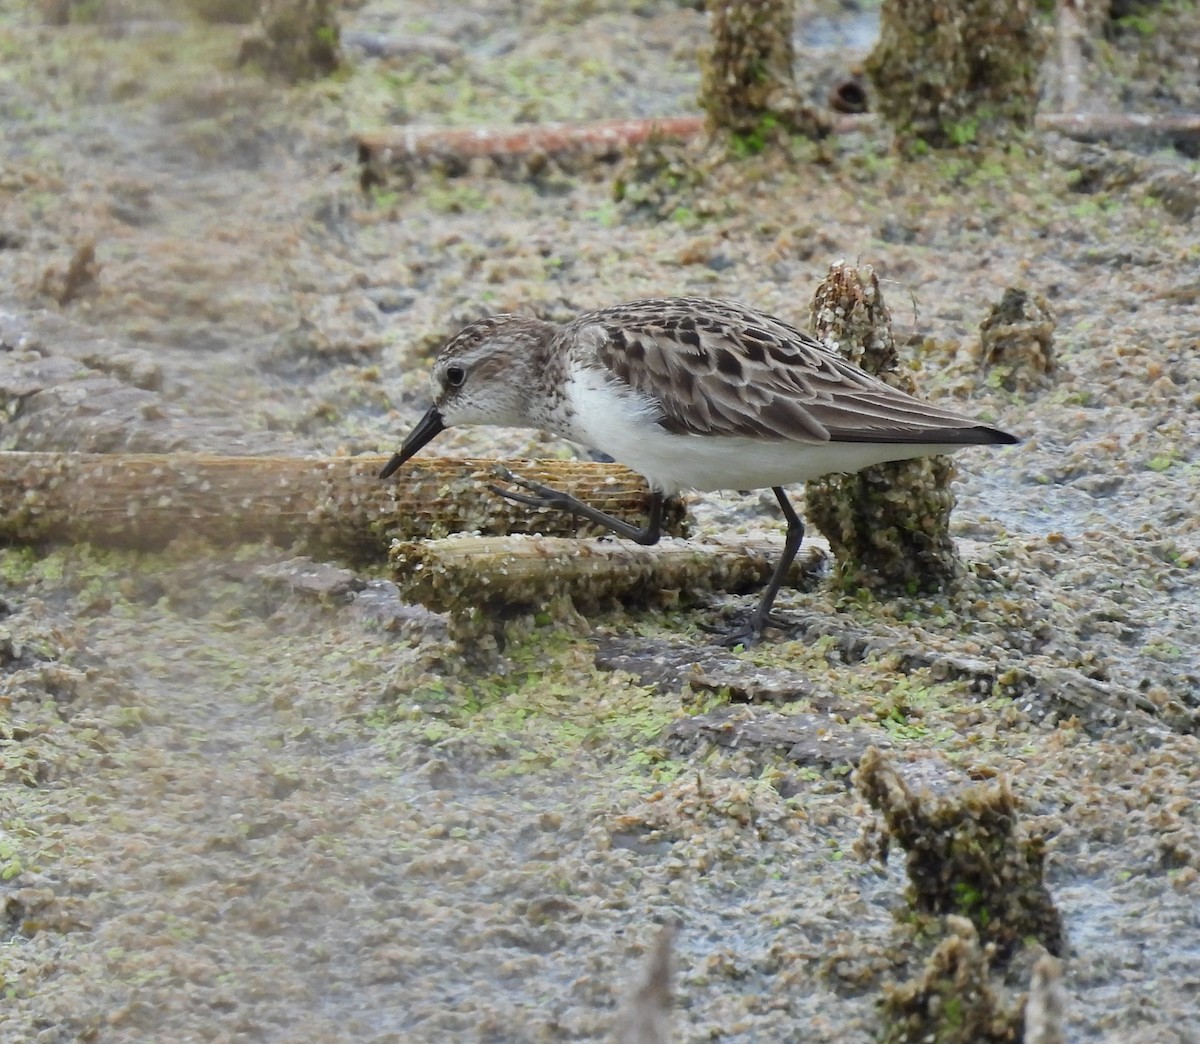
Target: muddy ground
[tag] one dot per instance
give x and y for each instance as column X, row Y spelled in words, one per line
column 240, row 804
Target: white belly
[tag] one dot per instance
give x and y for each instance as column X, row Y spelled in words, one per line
column 618, row 425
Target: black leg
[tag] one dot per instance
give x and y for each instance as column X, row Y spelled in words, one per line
column 545, row 497
column 752, row 630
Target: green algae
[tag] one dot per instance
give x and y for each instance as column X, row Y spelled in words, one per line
column 541, row 708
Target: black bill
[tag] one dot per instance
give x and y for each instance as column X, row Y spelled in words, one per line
column 428, row 426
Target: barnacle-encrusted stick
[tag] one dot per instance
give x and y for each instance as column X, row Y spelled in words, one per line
column 465, row 574
column 334, row 504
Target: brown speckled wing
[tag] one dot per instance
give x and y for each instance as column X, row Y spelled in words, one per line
column 716, row 368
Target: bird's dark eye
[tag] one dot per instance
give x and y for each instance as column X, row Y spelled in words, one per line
column 455, row 375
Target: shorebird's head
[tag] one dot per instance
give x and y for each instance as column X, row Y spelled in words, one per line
column 484, row 375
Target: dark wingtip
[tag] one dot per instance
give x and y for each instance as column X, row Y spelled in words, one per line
column 998, row 437
column 979, row 435
column 950, row 437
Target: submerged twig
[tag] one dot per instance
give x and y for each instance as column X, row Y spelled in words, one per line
column 645, row 1017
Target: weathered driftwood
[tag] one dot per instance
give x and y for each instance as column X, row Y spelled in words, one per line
column 338, row 504
column 468, row 573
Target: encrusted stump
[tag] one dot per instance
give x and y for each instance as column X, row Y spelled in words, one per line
column 968, row 855
column 748, row 86
column 949, row 75
column 294, row 39
column 888, row 525
column 1016, row 342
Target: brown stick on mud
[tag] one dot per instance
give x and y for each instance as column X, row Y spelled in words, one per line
column 455, row 147
column 328, row 504
column 465, row 574
column 452, row 148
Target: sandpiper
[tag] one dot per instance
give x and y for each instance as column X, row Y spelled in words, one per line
column 693, row 394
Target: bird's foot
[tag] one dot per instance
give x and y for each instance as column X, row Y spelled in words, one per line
column 746, row 632
column 539, row 496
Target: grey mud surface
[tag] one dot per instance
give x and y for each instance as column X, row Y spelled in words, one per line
column 246, row 797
